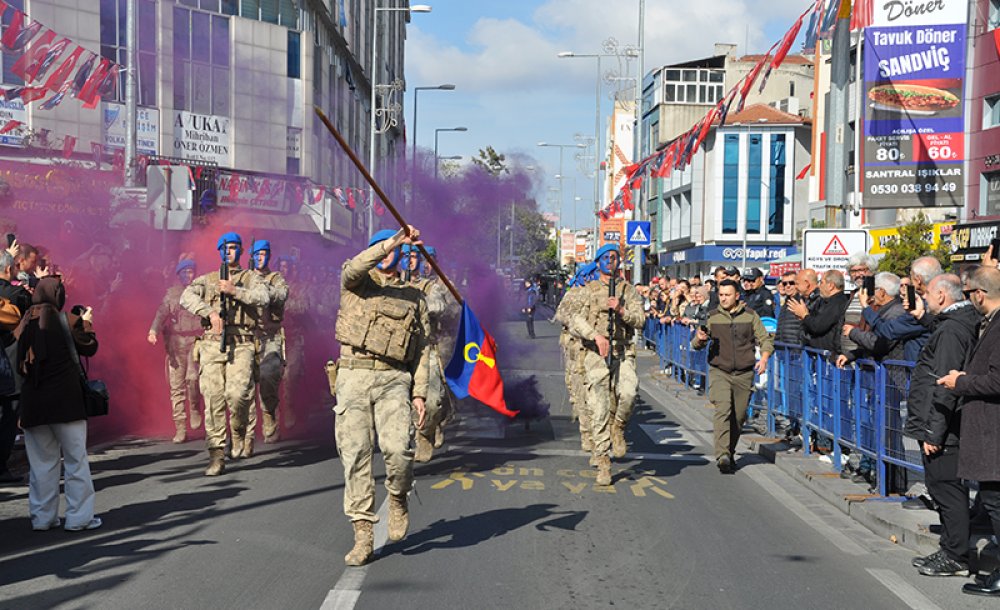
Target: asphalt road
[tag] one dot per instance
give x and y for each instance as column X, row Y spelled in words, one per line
column 508, row 516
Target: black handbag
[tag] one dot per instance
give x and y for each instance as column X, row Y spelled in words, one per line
column 96, row 400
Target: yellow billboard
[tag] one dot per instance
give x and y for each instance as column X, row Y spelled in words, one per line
column 881, row 238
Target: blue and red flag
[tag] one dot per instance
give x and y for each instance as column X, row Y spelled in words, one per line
column 473, row 370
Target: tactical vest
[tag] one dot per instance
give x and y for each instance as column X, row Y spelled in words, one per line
column 179, row 321
column 596, row 296
column 274, row 313
column 244, row 317
column 381, row 320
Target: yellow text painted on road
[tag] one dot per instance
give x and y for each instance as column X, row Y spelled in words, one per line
column 505, row 477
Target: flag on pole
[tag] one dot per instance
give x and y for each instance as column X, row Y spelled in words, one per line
column 473, row 370
column 69, row 143
column 10, row 126
column 804, row 172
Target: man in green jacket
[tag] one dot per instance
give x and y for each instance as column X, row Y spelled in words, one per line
column 734, row 331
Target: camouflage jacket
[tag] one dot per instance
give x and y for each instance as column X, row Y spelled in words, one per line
column 202, row 297
column 590, row 318
column 173, row 320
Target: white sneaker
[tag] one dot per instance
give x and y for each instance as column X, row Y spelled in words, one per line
column 48, row 526
column 93, row 525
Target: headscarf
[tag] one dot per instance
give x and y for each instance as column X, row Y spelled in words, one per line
column 43, row 315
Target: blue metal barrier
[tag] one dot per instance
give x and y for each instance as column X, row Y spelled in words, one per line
column 860, row 408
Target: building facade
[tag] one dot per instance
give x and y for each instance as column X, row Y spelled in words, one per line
column 229, row 85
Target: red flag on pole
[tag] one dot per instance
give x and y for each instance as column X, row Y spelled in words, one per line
column 69, row 143
column 10, row 126
column 786, row 43
column 804, row 172
column 27, row 66
column 996, row 39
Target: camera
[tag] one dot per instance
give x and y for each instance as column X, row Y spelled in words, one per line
column 78, row 310
column 869, row 285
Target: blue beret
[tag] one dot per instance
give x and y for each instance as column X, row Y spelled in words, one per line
column 229, row 238
column 261, row 244
column 382, row 235
column 605, row 249
column 186, row 263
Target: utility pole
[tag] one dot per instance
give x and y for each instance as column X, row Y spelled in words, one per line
column 637, row 143
column 837, row 141
column 130, row 96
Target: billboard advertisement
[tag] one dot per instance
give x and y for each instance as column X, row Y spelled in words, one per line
column 914, row 64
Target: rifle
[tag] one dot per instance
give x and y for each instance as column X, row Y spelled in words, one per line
column 611, row 328
column 224, row 301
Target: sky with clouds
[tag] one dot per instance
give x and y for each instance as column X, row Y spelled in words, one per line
column 512, row 90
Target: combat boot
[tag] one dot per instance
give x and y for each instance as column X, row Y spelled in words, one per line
column 586, row 442
column 424, row 449
column 438, row 436
column 181, row 435
column 603, row 470
column 618, row 446
column 217, row 462
column 399, row 517
column 270, row 428
column 593, row 456
column 195, row 418
column 236, row 451
column 364, row 544
column 247, row 448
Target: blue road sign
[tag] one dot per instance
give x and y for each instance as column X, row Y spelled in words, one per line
column 637, row 233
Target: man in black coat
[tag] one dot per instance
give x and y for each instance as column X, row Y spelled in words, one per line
column 822, row 324
column 789, row 326
column 933, row 419
column 979, row 387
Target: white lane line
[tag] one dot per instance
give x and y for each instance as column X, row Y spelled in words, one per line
column 538, row 451
column 903, row 590
column 344, row 595
column 838, row 539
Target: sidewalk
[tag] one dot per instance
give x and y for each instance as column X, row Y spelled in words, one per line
column 883, row 516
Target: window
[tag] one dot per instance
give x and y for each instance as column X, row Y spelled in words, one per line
column 791, row 88
column 668, row 93
column 690, row 76
column 279, row 12
column 676, row 74
column 9, row 59
column 990, row 199
column 201, row 62
column 113, row 46
column 994, row 18
column 776, row 197
column 731, row 183
column 294, row 54
column 991, row 111
column 754, row 184
column 693, row 86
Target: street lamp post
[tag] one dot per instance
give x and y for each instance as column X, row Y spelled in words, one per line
column 561, row 147
column 637, row 146
column 416, row 8
column 436, row 133
column 416, row 90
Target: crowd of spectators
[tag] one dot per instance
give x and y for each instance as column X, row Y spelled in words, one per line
column 935, row 333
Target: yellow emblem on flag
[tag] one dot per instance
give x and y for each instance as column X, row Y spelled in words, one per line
column 490, row 362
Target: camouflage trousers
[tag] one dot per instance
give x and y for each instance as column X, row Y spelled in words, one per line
column 438, row 398
column 227, row 383
column 270, row 370
column 599, row 396
column 576, row 386
column 182, row 375
column 369, row 403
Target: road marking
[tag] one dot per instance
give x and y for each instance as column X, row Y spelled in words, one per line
column 639, row 488
column 903, row 590
column 344, row 595
column 541, row 452
column 839, row 540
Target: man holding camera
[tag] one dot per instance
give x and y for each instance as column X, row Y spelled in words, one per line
column 735, row 332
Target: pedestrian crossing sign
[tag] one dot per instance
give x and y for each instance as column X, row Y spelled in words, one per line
column 637, row 233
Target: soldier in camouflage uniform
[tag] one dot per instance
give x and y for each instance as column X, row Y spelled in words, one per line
column 226, row 377
column 382, row 327
column 270, row 346
column 179, row 330
column 441, row 307
column 297, row 309
column 573, row 353
column 589, row 323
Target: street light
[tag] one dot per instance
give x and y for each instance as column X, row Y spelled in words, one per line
column 416, row 8
column 416, row 90
column 597, row 120
column 561, row 147
column 436, row 133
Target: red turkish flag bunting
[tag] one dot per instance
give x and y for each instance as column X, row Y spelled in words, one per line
column 69, row 143
column 10, row 126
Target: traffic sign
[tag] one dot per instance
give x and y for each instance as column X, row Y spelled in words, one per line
column 637, row 232
column 825, row 249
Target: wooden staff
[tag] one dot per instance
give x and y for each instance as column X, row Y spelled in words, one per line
column 388, row 204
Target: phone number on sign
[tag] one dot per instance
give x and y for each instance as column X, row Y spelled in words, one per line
column 906, row 189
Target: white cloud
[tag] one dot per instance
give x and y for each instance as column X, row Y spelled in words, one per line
column 507, row 53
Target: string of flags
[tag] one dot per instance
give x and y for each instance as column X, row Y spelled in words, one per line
column 349, row 197
column 52, row 65
column 819, row 20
